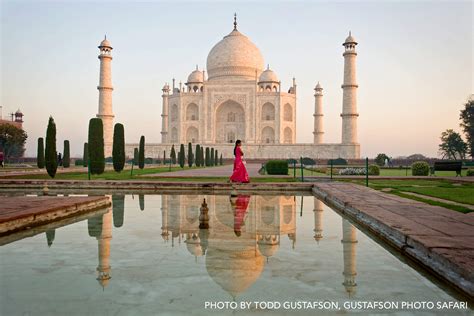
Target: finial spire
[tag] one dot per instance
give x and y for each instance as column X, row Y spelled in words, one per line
column 235, row 21
column 105, row 36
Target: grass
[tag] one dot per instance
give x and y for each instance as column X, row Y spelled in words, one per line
column 107, row 175
column 443, row 189
column 389, row 172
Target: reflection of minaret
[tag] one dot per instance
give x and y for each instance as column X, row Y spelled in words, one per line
column 164, row 217
column 318, row 220
column 104, row 249
column 118, row 209
column 349, row 240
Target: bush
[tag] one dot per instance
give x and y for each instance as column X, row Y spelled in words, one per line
column 420, row 168
column 308, row 161
column 135, row 156
column 181, row 156
column 50, row 154
column 67, row 155
column 338, row 161
column 150, row 161
column 190, row 155
column 40, row 154
column 292, row 161
column 352, row 172
column 207, row 158
column 279, row 167
column 118, row 148
column 96, row 146
column 380, row 159
column 221, row 161
column 470, row 173
column 85, row 155
column 374, row 170
column 78, row 162
column 173, row 155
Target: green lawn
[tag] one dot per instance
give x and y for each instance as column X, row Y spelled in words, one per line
column 443, row 189
column 392, row 172
column 107, row 175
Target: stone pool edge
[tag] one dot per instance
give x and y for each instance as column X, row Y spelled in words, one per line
column 440, row 265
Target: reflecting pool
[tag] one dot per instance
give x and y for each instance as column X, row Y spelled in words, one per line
column 146, row 255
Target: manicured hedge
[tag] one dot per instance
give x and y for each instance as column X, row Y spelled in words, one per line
column 374, row 170
column 470, row 173
column 96, row 146
column 338, row 161
column 279, row 167
column 40, row 154
column 420, row 168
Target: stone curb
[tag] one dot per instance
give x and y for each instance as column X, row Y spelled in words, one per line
column 455, row 275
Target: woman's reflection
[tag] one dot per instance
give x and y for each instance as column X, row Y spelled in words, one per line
column 239, row 205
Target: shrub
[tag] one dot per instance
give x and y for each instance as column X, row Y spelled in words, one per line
column 85, row 155
column 40, row 154
column 279, row 167
column 216, row 158
column 201, row 157
column 420, row 168
column 78, row 162
column 51, row 160
column 374, row 170
column 338, row 161
column 197, row 155
column 470, row 173
column 149, row 161
column 164, row 156
column 308, row 161
column 221, row 161
column 135, row 156
column 351, row 172
column 118, row 148
column 211, row 159
column 181, row 156
column 380, row 159
column 67, row 155
column 141, row 153
column 292, row 161
column 190, row 155
column 96, row 146
column 173, row 155
column 207, row 159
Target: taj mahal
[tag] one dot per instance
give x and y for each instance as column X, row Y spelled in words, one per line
column 237, row 97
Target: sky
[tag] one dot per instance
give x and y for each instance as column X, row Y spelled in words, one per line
column 414, row 64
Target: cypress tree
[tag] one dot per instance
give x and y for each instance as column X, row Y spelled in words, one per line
column 135, row 156
column 85, row 155
column 216, row 158
column 173, row 155
column 211, row 161
column 164, row 157
column 67, row 155
column 96, row 146
column 118, row 148
column 141, row 153
column 222, row 162
column 198, row 153
column 190, row 155
column 208, row 158
column 50, row 154
column 201, row 157
column 40, row 154
column 181, row 156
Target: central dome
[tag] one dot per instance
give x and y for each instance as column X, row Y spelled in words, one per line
column 234, row 57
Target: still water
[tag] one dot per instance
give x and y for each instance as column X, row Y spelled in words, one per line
column 147, row 256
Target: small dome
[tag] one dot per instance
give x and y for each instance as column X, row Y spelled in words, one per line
column 350, row 39
column 197, row 76
column 318, row 87
column 268, row 76
column 268, row 250
column 105, row 43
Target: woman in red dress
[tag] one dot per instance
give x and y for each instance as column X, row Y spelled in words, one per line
column 240, row 172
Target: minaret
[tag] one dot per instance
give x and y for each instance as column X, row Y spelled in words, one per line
column 164, row 114
column 318, row 115
column 349, row 241
column 164, row 217
column 103, row 240
column 349, row 95
column 318, row 219
column 105, row 95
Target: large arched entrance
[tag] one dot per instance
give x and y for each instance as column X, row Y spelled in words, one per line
column 230, row 122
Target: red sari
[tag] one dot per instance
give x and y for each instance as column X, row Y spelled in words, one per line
column 240, row 172
column 240, row 211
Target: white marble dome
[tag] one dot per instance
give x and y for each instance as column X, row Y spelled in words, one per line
column 234, row 57
column 268, row 76
column 196, row 76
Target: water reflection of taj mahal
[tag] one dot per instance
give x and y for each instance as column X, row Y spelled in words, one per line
column 235, row 248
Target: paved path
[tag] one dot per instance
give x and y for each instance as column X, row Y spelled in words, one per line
column 440, row 239
column 21, row 212
column 219, row 171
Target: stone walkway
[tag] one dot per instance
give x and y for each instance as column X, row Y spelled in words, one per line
column 440, row 239
column 427, row 197
column 21, row 212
